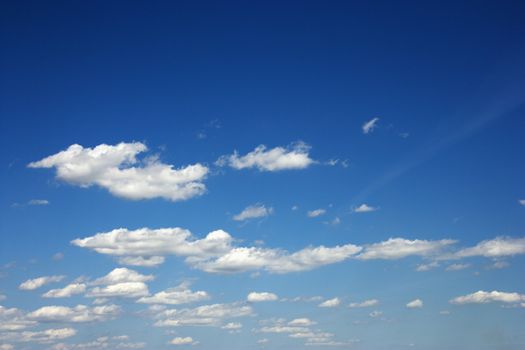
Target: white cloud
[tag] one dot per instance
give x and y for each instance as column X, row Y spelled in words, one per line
column 205, row 315
column 482, row 297
column 175, row 296
column 397, row 248
column 2, row 297
column 255, row 297
column 522, row 201
column 279, row 158
column 315, row 213
column 141, row 261
column 252, row 212
column 375, row 314
column 122, row 274
column 330, row 303
column 13, row 319
column 58, row 256
column 427, row 267
column 495, row 248
column 44, row 336
column 276, row 260
column 77, row 314
column 66, row 292
column 299, row 329
column 6, row 347
column 147, row 242
column 370, row 125
column 457, row 267
column 38, row 202
column 366, row 303
column 182, row 341
column 415, row 304
column 232, row 326
column 302, row 322
column 364, row 208
column 112, row 167
column 125, row 289
column 36, row 283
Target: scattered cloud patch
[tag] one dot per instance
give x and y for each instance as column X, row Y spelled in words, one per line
column 495, row 248
column 364, row 208
column 114, row 167
column 36, row 283
column 183, row 341
column 175, row 296
column 330, row 303
column 415, row 304
column 457, row 267
column 66, row 292
column 253, row 211
column 366, row 303
column 397, row 248
column 38, row 202
column 316, row 213
column 255, row 297
column 295, row 156
column 482, row 297
column 370, row 125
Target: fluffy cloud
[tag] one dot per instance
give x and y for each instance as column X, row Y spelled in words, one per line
column 315, row 213
column 44, row 336
column 277, row 261
column 205, row 315
column 174, row 296
column 366, row 303
column 522, row 201
column 112, row 167
column 147, row 242
column 397, row 248
column 182, row 341
column 255, row 297
column 364, row 208
column 13, row 319
column 77, row 314
column 115, row 342
column 122, row 275
column 38, row 202
column 370, row 125
column 495, row 248
column 141, row 261
column 67, row 291
column 252, row 212
column 482, row 297
column 36, row 283
column 120, row 282
column 330, row 303
column 279, row 158
column 415, row 304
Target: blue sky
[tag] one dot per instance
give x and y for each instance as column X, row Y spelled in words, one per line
column 271, row 175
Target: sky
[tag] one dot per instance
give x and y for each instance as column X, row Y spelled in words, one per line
column 262, row 175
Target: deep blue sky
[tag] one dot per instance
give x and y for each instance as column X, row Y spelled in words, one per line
column 197, row 80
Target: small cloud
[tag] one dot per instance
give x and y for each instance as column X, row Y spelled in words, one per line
column 2, row 297
column 375, row 314
column 252, row 212
column 522, row 201
column 404, row 135
column 364, row 208
column 366, row 303
column 330, row 303
column 370, row 125
column 444, row 312
column 183, row 341
column 262, row 341
column 415, row 304
column 336, row 221
column 315, row 213
column 457, row 267
column 500, row 264
column 427, row 267
column 201, row 135
column 295, row 207
column 255, row 297
column 38, row 202
column 58, row 256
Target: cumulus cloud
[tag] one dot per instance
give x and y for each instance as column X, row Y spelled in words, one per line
column 44, row 336
column 66, row 292
column 457, row 267
column 495, row 248
column 427, row 267
column 114, row 167
column 205, row 315
column 397, row 248
column 183, row 341
column 415, row 304
column 253, row 212
column 364, row 208
column 366, row 303
column 277, row 260
column 295, row 156
column 482, row 297
column 370, row 125
column 315, row 213
column 147, row 242
column 330, row 303
column 38, row 202
column 120, row 282
column 232, row 326
column 175, row 296
column 13, row 319
column 522, row 201
column 77, row 314
column 141, row 261
column 36, row 283
column 255, row 297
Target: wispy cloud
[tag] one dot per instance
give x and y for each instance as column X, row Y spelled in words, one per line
column 370, row 125
column 253, row 211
